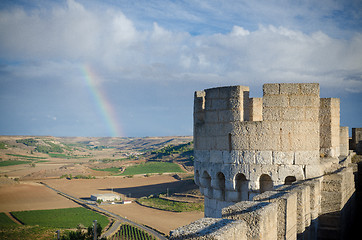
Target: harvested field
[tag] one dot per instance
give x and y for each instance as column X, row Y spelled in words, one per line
column 31, row 196
column 135, row 187
column 163, row 221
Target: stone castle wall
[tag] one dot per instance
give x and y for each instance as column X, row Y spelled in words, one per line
column 320, row 208
column 244, row 146
column 271, row 167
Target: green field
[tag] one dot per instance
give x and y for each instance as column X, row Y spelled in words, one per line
column 131, row 232
column 61, row 218
column 5, row 221
column 169, row 205
column 59, row 155
column 25, row 156
column 112, row 169
column 12, row 162
column 152, row 167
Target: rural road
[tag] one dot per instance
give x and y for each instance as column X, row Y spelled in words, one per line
column 96, row 208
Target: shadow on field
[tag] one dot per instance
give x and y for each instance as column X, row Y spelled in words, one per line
column 146, row 190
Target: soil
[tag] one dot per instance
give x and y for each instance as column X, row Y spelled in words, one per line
column 30, row 196
column 163, row 221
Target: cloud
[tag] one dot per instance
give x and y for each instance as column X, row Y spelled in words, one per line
column 59, row 40
column 149, row 58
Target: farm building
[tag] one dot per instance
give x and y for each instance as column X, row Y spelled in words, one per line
column 105, row 197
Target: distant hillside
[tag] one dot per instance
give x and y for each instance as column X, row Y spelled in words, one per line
column 37, row 157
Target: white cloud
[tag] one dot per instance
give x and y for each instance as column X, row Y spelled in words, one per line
column 61, row 39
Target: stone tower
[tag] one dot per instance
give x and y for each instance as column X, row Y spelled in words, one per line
column 245, row 146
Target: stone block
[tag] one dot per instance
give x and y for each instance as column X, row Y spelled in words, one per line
column 275, row 101
column 344, row 141
column 290, row 170
column 255, row 109
column 216, row 156
column 248, row 157
column 306, row 157
column 271, row 170
column 315, row 197
column 263, row 157
column 260, row 218
column 312, row 114
column 222, row 142
column 234, row 157
column 230, row 115
column 303, row 208
column 305, row 101
column 211, row 117
column 309, row 89
column 255, row 172
column 289, row 88
column 212, row 93
column 234, row 103
column 232, row 91
column 232, row 196
column 283, row 158
column 293, row 114
column 312, row 171
column 270, row 89
column 272, row 114
column 287, row 208
column 219, row 194
column 240, row 141
column 211, row 228
column 202, row 155
column 290, row 205
column 218, row 104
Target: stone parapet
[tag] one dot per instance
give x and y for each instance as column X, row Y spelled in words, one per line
column 321, row 208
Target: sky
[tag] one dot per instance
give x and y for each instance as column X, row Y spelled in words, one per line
column 130, row 68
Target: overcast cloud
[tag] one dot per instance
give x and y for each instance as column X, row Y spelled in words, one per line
column 151, row 56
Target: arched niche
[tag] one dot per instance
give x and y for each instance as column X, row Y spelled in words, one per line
column 265, row 183
column 241, row 186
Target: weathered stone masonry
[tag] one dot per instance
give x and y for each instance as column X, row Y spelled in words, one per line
column 249, row 151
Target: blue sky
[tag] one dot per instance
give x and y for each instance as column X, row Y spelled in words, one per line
column 130, row 68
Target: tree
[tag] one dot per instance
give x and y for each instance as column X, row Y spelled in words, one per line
column 80, row 235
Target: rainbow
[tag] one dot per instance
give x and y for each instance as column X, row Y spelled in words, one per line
column 103, row 104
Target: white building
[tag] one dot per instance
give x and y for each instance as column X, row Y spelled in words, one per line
column 105, row 197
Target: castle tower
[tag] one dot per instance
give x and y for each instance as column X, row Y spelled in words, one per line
column 245, row 146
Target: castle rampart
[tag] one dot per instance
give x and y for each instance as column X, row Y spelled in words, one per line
column 270, row 160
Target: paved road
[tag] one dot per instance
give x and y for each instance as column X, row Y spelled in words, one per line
column 97, row 208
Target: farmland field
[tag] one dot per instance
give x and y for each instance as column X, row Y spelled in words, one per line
column 131, row 167
column 61, row 218
column 13, row 162
column 169, row 205
column 130, row 232
column 5, row 220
